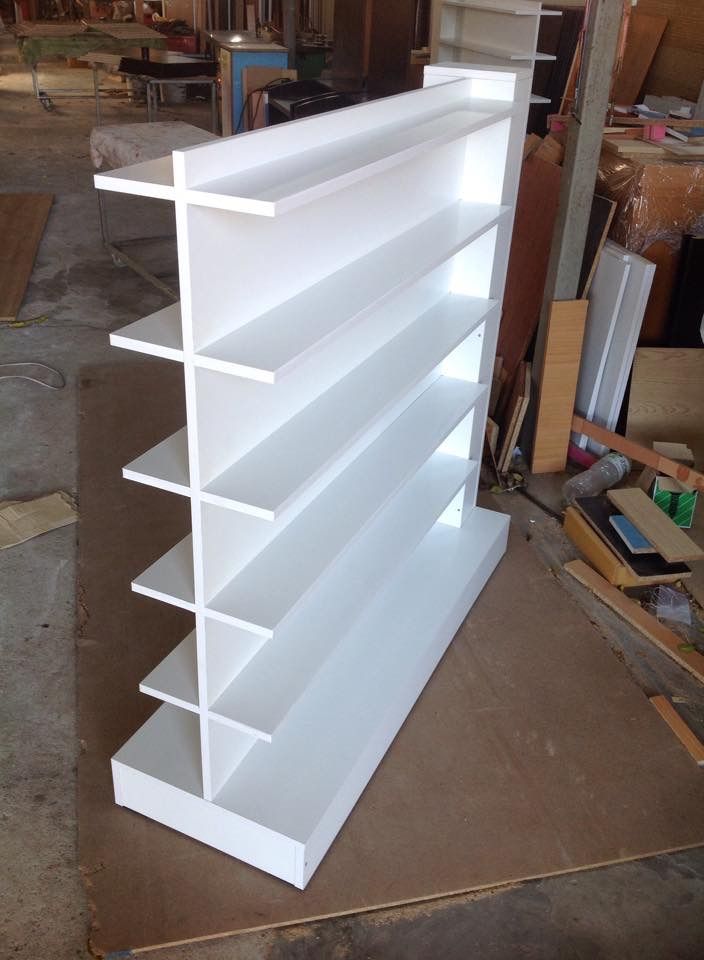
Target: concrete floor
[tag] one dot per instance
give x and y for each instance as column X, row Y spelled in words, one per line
column 647, row 909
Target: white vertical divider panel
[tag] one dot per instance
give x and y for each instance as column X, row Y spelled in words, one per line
column 189, row 372
column 336, row 406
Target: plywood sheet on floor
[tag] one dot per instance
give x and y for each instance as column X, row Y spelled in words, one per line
column 530, row 752
column 22, row 220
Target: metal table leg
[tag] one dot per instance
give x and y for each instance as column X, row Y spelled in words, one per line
column 96, row 89
column 214, row 103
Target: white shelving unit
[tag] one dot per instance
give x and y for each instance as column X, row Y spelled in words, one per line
column 341, row 282
column 494, row 32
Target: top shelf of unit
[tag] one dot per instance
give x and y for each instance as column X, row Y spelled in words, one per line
column 273, row 188
column 511, row 7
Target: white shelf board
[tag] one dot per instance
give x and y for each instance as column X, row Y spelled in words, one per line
column 281, row 185
column 266, row 481
column 260, row 697
column 267, row 347
column 151, row 178
column 167, row 749
column 175, row 679
column 283, row 805
column 262, row 595
column 495, row 51
column 164, row 466
column 510, row 7
column 314, row 770
column 536, row 98
column 170, row 578
column 158, row 335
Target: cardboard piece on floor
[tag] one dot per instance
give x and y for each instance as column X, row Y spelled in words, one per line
column 21, row 520
column 484, row 784
column 558, row 385
column 23, row 217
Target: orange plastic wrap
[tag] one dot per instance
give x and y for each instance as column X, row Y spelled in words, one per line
column 657, row 200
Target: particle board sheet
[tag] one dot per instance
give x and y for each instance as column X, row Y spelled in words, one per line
column 23, row 217
column 513, row 698
column 642, row 41
column 666, row 401
column 671, row 542
column 558, row 383
column 536, row 209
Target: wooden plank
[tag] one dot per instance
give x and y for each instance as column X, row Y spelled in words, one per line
column 591, row 545
column 669, row 540
column 600, row 218
column 639, row 453
column 536, row 209
column 667, row 398
column 23, row 217
column 558, row 385
column 253, row 80
column 633, row 613
column 679, row 62
column 642, row 41
column 516, row 411
column 688, row 739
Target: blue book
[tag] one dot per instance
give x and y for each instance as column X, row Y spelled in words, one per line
column 630, row 534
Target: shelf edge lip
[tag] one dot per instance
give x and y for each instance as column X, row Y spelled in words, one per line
column 234, row 369
column 168, row 698
column 149, row 481
column 216, row 500
column 164, row 597
column 235, row 622
column 236, row 725
column 143, row 346
column 136, row 188
column 274, row 208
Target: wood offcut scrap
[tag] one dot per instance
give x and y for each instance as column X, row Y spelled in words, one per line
column 633, row 613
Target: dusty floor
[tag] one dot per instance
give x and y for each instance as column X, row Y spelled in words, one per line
column 648, row 909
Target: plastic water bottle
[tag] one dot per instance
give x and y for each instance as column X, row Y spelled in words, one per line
column 599, row 477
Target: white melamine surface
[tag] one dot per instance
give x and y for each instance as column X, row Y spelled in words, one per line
column 167, row 748
column 263, row 594
column 289, row 784
column 152, row 178
column 261, row 696
column 159, row 334
column 267, row 479
column 170, row 578
column 175, row 679
column 164, row 466
column 270, row 189
column 340, row 284
column 266, row 346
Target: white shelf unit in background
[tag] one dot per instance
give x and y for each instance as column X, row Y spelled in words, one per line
column 341, row 282
column 494, row 32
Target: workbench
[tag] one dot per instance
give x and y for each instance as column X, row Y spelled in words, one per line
column 37, row 41
column 163, row 68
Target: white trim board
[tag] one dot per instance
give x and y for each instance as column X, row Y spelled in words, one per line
column 618, row 299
